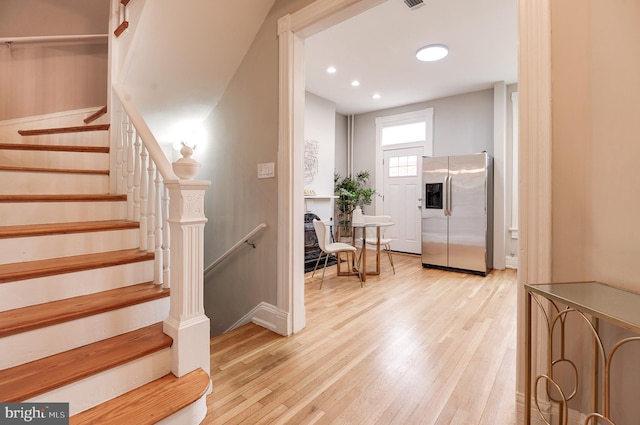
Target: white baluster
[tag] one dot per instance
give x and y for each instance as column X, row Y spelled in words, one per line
column 158, row 277
column 151, row 212
column 136, row 180
column 119, row 143
column 130, row 159
column 144, row 193
column 166, row 240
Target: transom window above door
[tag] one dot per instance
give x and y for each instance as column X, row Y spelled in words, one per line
column 404, row 133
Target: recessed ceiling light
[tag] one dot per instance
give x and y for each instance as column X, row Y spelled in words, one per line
column 331, row 70
column 432, row 52
column 376, row 96
column 355, row 83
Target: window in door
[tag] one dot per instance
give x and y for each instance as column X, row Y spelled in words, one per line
column 403, row 166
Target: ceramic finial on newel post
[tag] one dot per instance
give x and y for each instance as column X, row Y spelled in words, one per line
column 186, row 167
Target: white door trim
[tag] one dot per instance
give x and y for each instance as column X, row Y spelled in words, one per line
column 405, row 118
column 534, row 88
column 292, row 29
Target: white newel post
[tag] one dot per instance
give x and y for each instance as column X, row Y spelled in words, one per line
column 187, row 324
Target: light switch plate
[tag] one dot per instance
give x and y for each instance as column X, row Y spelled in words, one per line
column 266, row 170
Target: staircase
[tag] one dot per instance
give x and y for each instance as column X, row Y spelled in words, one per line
column 81, row 319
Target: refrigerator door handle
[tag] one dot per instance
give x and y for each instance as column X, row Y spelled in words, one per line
column 444, row 197
column 449, row 195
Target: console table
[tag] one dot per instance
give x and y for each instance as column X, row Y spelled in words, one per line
column 592, row 302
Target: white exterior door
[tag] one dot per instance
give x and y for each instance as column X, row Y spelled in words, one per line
column 401, row 197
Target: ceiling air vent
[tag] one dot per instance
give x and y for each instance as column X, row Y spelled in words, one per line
column 413, row 4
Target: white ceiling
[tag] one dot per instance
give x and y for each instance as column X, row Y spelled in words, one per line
column 378, row 48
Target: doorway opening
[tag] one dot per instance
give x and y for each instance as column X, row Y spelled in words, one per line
column 293, row 30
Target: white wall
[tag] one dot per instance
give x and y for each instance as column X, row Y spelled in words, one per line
column 595, row 175
column 46, row 77
column 320, row 131
column 182, row 58
column 53, row 17
column 511, row 180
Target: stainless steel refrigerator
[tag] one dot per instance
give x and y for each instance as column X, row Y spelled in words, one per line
column 457, row 218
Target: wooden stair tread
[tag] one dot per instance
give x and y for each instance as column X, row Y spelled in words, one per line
column 27, row 230
column 58, row 130
column 148, row 404
column 33, row 269
column 53, row 170
column 28, row 380
column 53, row 148
column 41, row 315
column 63, row 198
column 97, row 114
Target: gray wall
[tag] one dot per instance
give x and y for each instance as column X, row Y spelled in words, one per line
column 341, row 166
column 462, row 124
column 243, row 132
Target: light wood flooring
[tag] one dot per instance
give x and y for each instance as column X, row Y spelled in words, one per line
column 422, row 346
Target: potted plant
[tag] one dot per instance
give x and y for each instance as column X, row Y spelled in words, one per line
column 351, row 192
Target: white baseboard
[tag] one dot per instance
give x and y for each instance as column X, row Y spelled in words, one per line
column 192, row 414
column 265, row 315
column 535, row 416
column 548, row 409
column 511, row 262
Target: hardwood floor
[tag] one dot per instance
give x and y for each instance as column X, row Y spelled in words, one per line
column 422, row 346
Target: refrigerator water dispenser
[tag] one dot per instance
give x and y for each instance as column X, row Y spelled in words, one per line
column 433, row 198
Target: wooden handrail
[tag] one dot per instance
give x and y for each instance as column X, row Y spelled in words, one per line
column 238, row 244
column 123, row 26
column 97, row 114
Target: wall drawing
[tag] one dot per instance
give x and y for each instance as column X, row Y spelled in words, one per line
column 311, row 149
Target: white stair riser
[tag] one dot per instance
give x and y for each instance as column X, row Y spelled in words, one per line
column 21, row 182
column 96, row 389
column 36, row 344
column 15, row 250
column 53, row 159
column 41, row 290
column 14, row 214
column 192, row 414
column 85, row 138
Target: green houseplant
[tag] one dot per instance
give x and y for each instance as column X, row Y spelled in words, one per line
column 351, row 192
